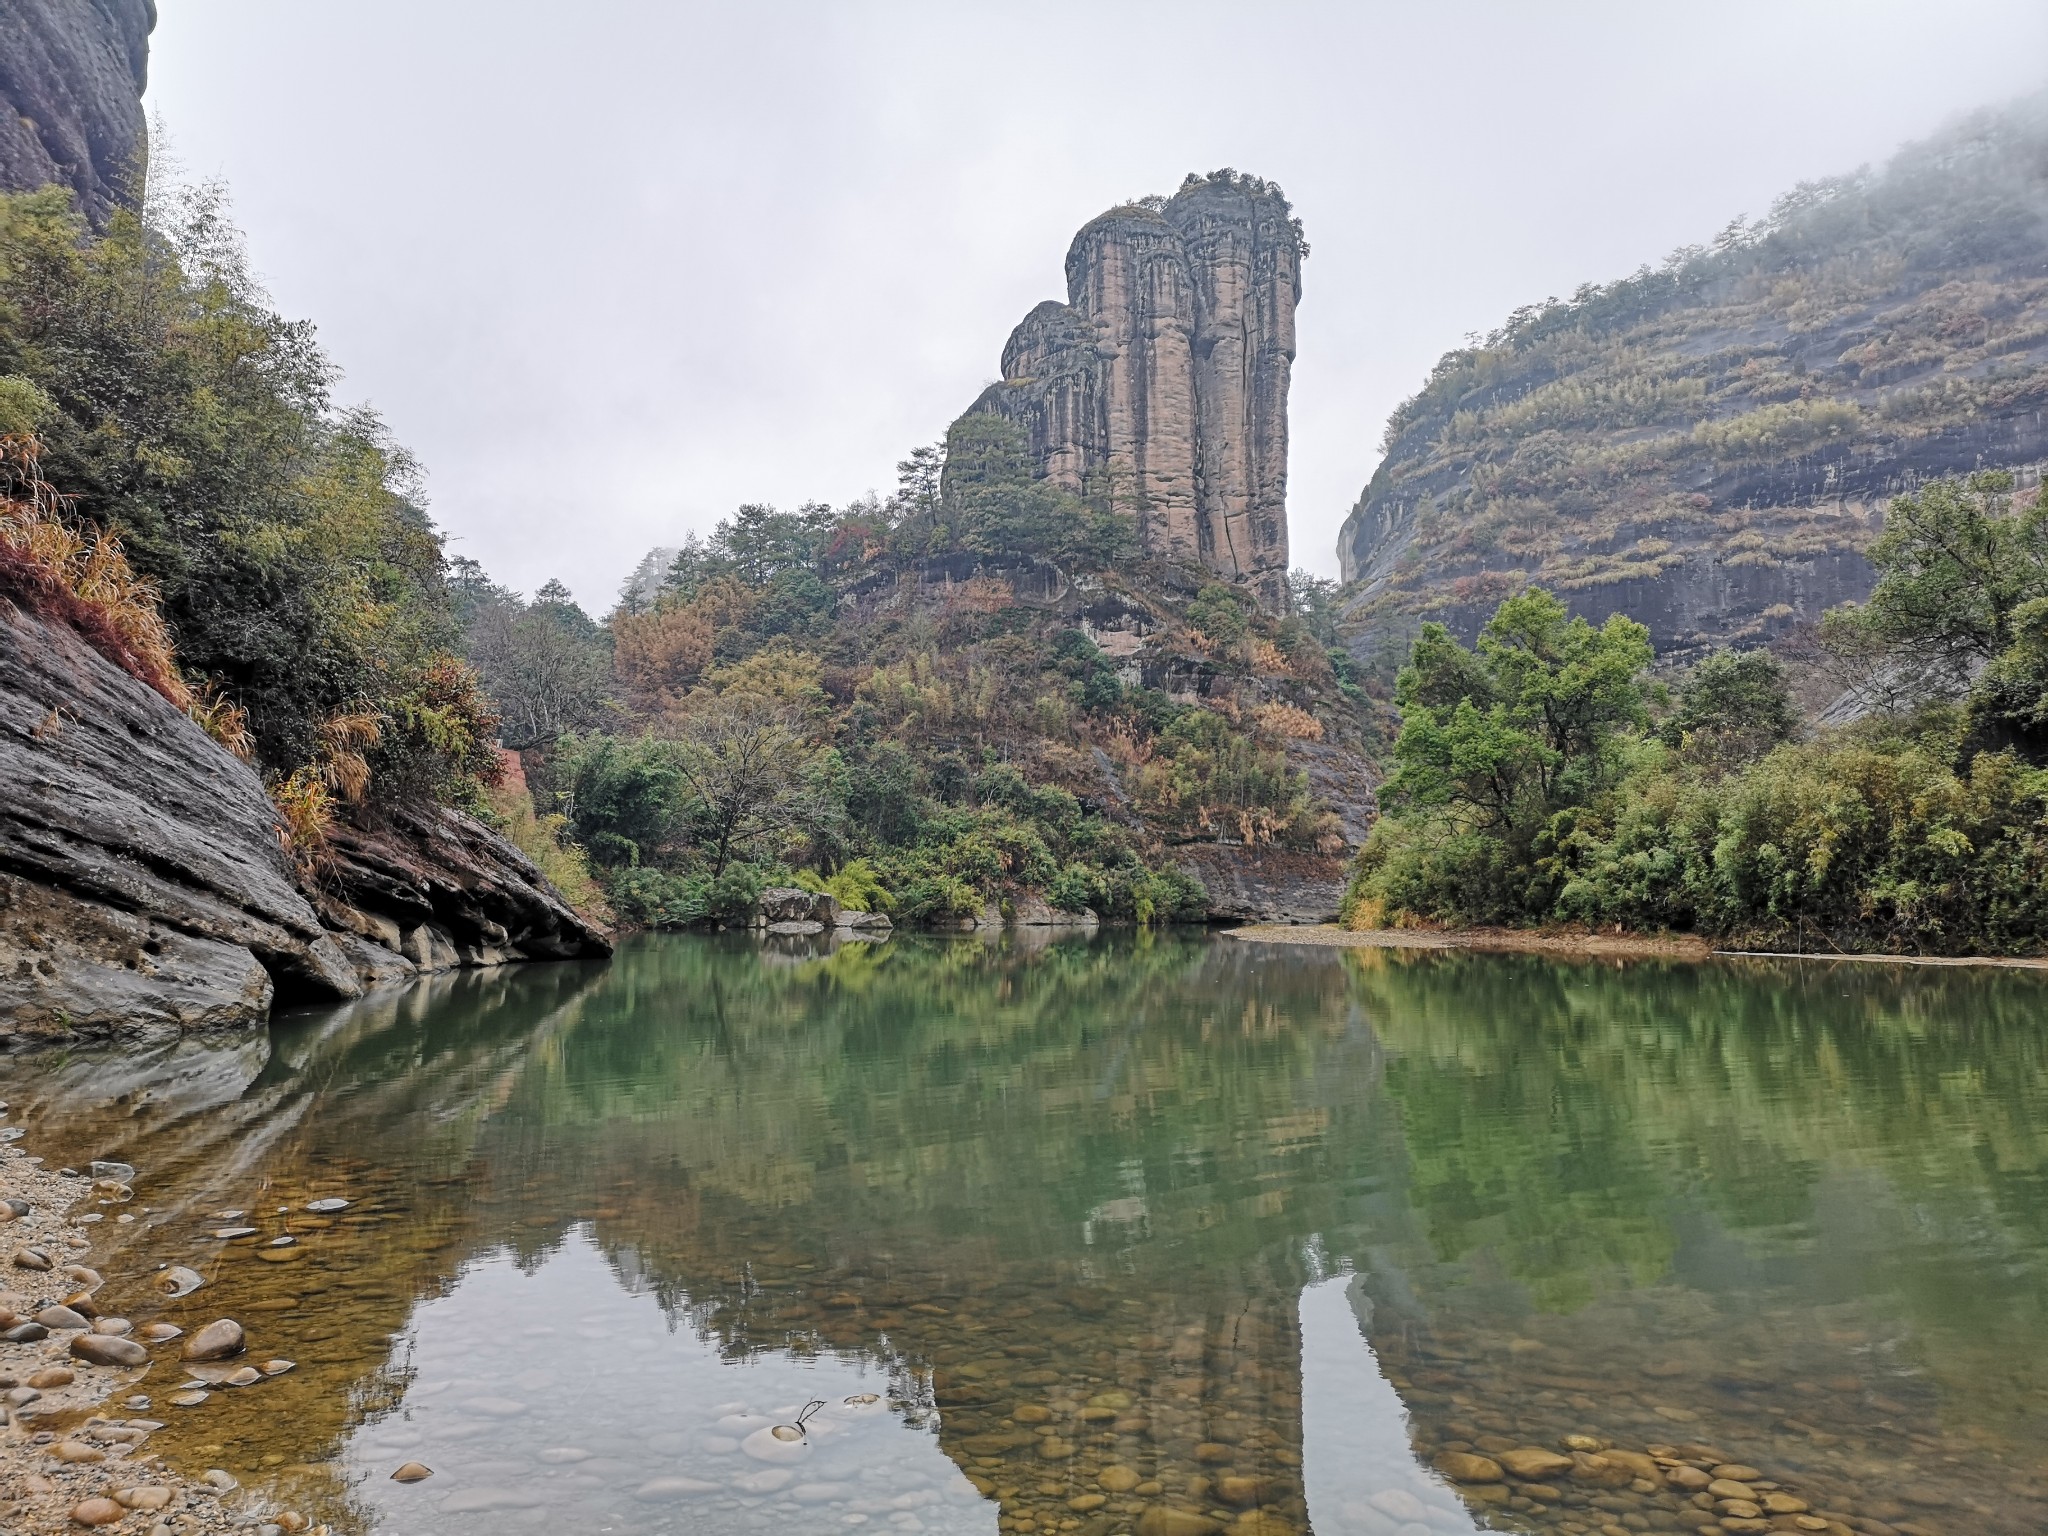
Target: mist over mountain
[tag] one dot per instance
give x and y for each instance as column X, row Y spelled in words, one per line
column 1707, row 446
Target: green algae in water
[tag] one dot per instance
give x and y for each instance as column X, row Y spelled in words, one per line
column 1162, row 1235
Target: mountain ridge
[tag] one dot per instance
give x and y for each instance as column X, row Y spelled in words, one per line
column 1708, row 446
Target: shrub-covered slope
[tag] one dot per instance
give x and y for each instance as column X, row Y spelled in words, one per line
column 1707, row 447
column 970, row 698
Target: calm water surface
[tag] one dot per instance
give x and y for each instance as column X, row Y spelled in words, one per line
column 1164, row 1236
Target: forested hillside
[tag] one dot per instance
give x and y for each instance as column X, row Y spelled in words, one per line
column 968, row 701
column 1707, row 447
column 155, row 404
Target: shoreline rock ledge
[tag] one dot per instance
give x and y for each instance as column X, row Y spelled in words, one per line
column 144, row 893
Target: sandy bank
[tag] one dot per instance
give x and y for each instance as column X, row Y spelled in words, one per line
column 1603, row 945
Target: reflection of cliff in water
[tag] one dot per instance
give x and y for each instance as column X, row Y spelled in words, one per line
column 1106, row 1184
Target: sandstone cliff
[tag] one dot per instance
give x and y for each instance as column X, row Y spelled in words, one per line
column 1160, row 386
column 1708, row 447
column 143, row 891
column 72, row 74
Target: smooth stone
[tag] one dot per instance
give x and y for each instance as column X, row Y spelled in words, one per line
column 109, row 1350
column 217, row 1478
column 1052, row 1448
column 62, row 1317
column 326, row 1207
column 120, row 1173
column 1774, row 1503
column 276, row 1255
column 564, row 1455
column 1399, row 1504
column 179, row 1281
column 191, row 1399
column 228, row 1234
column 150, row 1497
column 1118, row 1479
column 31, row 1258
column 1241, row 1492
column 21, row 1397
column 1463, row 1467
column 1165, row 1520
column 412, row 1472
column 767, row 1480
column 1031, row 1413
column 277, row 1367
column 25, row 1333
column 1212, row 1454
column 52, row 1376
column 97, row 1512
column 216, row 1341
column 1691, row 1479
column 822, row 1493
column 247, row 1376
column 1736, row 1472
column 1087, row 1503
column 283, row 1242
column 1636, row 1462
column 1739, row 1509
column 1532, row 1464
column 1723, row 1488
column 12, row 1209
column 767, row 1445
column 77, row 1451
column 112, row 1327
column 666, row 1490
column 160, row 1333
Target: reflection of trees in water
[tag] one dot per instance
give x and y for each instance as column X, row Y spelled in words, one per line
column 1804, row 1131
column 1129, row 1155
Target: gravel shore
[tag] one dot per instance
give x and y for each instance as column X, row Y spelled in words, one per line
column 74, row 1451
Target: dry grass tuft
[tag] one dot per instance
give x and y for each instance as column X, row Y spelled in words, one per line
column 73, row 574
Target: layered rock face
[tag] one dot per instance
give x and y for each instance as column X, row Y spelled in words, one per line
column 143, row 890
column 1709, row 448
column 1160, row 386
column 72, row 74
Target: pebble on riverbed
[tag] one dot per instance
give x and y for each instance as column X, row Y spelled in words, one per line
column 68, row 1366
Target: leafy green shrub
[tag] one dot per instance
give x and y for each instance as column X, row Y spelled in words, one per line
column 856, row 886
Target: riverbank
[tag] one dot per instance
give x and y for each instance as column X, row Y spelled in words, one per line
column 1669, row 946
column 77, row 1385
column 1505, row 940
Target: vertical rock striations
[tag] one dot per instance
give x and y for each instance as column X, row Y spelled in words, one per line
column 72, row 74
column 1160, row 386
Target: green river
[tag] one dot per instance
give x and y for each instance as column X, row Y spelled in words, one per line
column 1168, row 1235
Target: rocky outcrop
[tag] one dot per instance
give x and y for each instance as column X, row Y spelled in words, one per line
column 144, row 892
column 428, row 888
column 1160, row 386
column 1709, row 447
column 72, row 74
column 142, row 886
column 1266, row 885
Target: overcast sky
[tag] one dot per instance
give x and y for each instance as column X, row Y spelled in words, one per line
column 612, row 268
